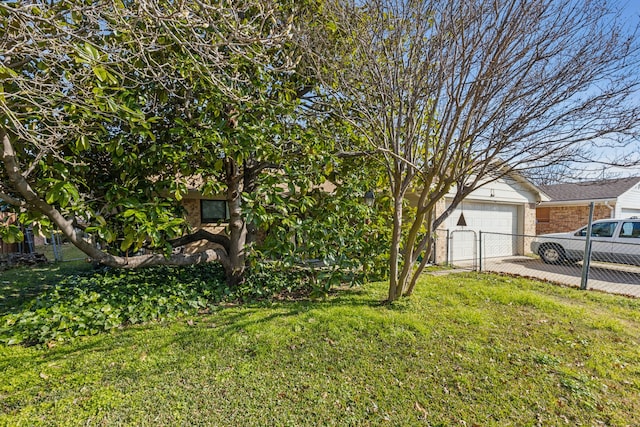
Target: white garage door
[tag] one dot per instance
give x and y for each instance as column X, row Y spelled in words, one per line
column 628, row 213
column 488, row 218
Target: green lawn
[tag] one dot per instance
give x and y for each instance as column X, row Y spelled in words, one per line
column 67, row 250
column 464, row 350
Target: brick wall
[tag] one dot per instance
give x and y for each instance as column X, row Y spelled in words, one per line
column 529, row 228
column 569, row 218
column 192, row 206
column 440, row 249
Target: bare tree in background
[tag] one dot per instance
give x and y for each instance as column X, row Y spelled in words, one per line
column 454, row 94
column 574, row 171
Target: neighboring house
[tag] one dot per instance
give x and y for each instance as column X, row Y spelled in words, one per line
column 212, row 214
column 568, row 208
column 505, row 210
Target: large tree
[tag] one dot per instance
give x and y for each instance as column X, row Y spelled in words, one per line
column 109, row 110
column 454, row 94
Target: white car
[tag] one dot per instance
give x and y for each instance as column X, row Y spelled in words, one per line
column 613, row 240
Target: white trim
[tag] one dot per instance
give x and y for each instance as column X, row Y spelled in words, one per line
column 577, row 202
column 541, row 195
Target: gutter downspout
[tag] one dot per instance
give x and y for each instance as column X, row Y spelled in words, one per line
column 612, row 209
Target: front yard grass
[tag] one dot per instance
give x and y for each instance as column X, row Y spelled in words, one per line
column 465, row 349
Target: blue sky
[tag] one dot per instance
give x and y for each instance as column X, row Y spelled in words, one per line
column 630, row 13
column 630, row 6
column 631, row 10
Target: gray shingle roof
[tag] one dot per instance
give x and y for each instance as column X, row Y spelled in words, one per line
column 590, row 190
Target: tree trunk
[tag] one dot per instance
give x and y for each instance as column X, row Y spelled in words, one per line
column 410, row 253
column 395, row 290
column 249, row 186
column 32, row 199
column 420, row 269
column 237, row 225
column 202, row 234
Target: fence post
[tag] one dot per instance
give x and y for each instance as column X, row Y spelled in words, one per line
column 480, row 252
column 587, row 251
column 447, row 256
column 56, row 245
column 53, row 247
column 29, row 240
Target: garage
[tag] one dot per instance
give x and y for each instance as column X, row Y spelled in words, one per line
column 628, row 213
column 487, row 217
column 503, row 209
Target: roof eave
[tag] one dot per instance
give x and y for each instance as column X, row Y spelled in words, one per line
column 541, row 196
column 581, row 202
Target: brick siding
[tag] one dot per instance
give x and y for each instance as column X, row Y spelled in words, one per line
column 192, row 206
column 569, row 218
column 529, row 228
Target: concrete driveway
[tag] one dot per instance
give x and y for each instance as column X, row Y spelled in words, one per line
column 612, row 278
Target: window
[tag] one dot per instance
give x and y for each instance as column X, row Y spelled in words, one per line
column 4, row 207
column 213, row 211
column 630, row 229
column 543, row 214
column 600, row 229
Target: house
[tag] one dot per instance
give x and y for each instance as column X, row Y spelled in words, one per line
column 210, row 214
column 504, row 210
column 568, row 208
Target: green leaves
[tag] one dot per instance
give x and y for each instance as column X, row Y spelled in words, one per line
column 63, row 193
column 111, row 299
column 128, row 240
column 82, row 143
column 145, row 224
column 6, row 72
column 88, row 54
column 104, row 75
column 337, row 230
column 10, row 233
column 88, row 305
column 128, row 120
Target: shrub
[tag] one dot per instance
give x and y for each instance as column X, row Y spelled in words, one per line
column 267, row 280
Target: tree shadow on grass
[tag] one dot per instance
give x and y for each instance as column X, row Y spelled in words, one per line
column 198, row 332
column 229, row 320
column 19, row 294
column 20, row 286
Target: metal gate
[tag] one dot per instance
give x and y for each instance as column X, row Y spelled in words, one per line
column 463, row 249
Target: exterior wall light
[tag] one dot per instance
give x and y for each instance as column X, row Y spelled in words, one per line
column 369, row 198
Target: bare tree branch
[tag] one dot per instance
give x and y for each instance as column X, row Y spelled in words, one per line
column 454, row 94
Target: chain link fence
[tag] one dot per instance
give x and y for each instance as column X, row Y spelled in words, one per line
column 55, row 248
column 36, row 249
column 610, row 264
